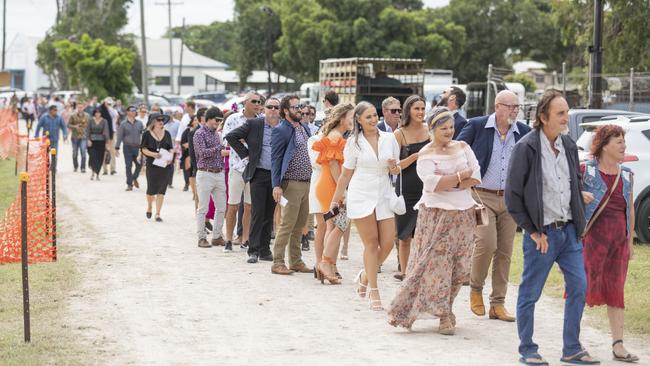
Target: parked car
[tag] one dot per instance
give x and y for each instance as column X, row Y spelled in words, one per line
column 217, row 97
column 637, row 158
column 204, row 103
column 580, row 116
column 166, row 106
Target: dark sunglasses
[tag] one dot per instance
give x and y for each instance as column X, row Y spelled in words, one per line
column 276, row 107
column 131, row 110
column 395, row 111
column 256, row 101
column 297, row 106
column 308, row 114
column 160, row 119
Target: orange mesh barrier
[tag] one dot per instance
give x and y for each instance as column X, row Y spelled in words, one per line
column 39, row 211
column 8, row 133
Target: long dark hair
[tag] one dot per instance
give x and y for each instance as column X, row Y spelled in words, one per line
column 408, row 105
column 358, row 111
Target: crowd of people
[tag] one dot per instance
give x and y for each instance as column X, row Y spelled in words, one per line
column 450, row 193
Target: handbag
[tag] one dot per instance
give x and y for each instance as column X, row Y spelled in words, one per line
column 397, row 203
column 341, row 221
column 602, row 205
column 480, row 212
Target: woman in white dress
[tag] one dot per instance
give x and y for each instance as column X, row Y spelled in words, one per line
column 369, row 156
column 314, row 205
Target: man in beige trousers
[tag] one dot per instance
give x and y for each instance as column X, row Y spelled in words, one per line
column 492, row 139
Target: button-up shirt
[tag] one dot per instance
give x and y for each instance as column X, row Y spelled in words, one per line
column 77, row 124
column 235, row 121
column 299, row 167
column 265, row 154
column 130, row 133
column 497, row 170
column 207, row 149
column 52, row 125
column 556, row 181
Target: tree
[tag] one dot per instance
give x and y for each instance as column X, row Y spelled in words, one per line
column 528, row 82
column 102, row 69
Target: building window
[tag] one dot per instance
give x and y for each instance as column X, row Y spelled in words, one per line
column 540, row 79
column 186, row 80
column 162, row 80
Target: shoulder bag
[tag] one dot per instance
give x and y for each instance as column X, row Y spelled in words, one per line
column 602, row 205
column 397, row 203
column 480, row 211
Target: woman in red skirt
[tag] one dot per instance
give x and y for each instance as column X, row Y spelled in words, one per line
column 608, row 237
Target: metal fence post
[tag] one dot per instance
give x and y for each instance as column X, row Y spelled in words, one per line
column 564, row 79
column 53, row 186
column 631, row 89
column 24, row 177
column 487, row 89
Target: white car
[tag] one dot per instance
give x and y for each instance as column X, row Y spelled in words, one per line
column 637, row 158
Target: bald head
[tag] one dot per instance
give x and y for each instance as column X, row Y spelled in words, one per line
column 506, row 97
column 506, row 107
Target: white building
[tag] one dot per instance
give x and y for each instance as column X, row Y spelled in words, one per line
column 258, row 80
column 20, row 61
column 194, row 68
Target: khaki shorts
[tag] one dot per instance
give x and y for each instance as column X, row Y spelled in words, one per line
column 236, row 187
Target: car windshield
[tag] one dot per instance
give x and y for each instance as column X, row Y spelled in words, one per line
column 584, row 141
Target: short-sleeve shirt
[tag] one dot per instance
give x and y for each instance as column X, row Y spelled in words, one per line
column 149, row 142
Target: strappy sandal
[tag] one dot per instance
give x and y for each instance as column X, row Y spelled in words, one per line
column 360, row 292
column 577, row 359
column 375, row 305
column 322, row 275
column 533, row 359
column 627, row 358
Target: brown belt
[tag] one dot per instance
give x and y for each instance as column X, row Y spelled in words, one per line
column 499, row 192
column 211, row 170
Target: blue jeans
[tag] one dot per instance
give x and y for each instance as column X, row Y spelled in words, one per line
column 79, row 145
column 130, row 158
column 565, row 249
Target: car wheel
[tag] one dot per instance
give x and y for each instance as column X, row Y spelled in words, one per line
column 643, row 221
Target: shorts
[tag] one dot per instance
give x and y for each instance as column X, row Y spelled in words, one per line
column 237, row 186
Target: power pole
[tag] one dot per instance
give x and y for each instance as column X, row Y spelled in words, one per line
column 4, row 31
column 145, row 73
column 180, row 59
column 596, row 50
column 171, row 54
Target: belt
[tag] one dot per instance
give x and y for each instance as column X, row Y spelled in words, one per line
column 211, row 170
column 499, row 192
column 557, row 225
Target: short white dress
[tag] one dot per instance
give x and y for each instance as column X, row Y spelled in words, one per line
column 314, row 205
column 370, row 188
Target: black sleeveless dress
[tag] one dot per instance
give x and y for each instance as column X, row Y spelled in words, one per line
column 412, row 192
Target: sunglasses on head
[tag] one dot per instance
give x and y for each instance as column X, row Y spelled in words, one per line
column 256, row 101
column 297, row 106
column 276, row 107
column 131, row 110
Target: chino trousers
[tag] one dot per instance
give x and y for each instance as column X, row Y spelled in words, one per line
column 210, row 185
column 294, row 217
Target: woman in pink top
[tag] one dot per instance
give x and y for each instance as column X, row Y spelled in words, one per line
column 444, row 236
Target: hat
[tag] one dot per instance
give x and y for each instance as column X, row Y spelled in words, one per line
column 155, row 115
column 108, row 101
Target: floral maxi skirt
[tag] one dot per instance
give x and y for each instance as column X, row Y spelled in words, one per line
column 439, row 263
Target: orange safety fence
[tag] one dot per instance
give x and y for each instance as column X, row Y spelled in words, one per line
column 40, row 213
column 8, row 133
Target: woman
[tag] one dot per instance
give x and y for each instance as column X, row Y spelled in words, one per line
column 154, row 140
column 608, row 242
column 369, row 156
column 186, row 164
column 444, row 237
column 412, row 135
column 97, row 133
column 330, row 148
column 314, row 206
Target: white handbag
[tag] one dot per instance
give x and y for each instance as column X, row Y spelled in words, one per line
column 397, row 203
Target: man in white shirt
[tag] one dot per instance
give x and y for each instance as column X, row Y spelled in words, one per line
column 190, row 108
column 236, row 184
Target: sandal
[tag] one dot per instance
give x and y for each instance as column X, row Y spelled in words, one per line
column 533, row 359
column 158, row 218
column 375, row 305
column 577, row 359
column 627, row 358
column 357, row 279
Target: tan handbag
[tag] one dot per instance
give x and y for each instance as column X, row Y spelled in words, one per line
column 602, row 205
column 480, row 211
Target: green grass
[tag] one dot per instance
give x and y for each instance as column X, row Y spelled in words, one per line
column 637, row 289
column 8, row 184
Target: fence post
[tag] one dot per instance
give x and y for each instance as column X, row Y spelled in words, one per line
column 487, row 89
column 631, row 89
column 564, row 79
column 29, row 128
column 24, row 177
column 53, row 207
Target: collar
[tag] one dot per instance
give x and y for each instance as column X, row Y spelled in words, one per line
column 559, row 146
column 492, row 121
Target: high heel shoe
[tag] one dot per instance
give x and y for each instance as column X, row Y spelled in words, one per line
column 375, row 304
column 336, row 272
column 357, row 280
column 322, row 275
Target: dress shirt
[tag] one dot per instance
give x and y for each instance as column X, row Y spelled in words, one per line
column 52, row 125
column 235, row 121
column 207, row 149
column 556, row 181
column 130, row 133
column 173, row 126
column 265, row 155
column 185, row 121
column 299, row 167
column 497, row 169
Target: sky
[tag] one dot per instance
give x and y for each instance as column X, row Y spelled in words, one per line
column 35, row 17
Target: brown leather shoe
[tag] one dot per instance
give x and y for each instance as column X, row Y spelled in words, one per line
column 476, row 302
column 219, row 242
column 281, row 269
column 136, row 184
column 302, row 268
column 204, row 243
column 498, row 311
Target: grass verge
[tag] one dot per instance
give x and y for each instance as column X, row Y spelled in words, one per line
column 8, row 184
column 637, row 289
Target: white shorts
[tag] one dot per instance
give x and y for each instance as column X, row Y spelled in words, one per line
column 236, row 187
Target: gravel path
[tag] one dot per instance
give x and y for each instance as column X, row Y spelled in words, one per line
column 150, row 296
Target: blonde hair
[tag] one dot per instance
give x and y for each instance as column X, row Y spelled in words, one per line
column 334, row 117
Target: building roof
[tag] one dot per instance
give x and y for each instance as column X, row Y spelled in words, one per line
column 257, row 77
column 158, row 54
column 523, row 66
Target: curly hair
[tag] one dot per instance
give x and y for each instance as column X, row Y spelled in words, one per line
column 334, row 117
column 603, row 136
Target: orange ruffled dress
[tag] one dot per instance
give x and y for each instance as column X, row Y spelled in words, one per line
column 326, row 186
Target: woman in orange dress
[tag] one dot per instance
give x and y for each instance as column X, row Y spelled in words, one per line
column 330, row 158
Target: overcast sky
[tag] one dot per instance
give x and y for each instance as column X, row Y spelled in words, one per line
column 35, row 17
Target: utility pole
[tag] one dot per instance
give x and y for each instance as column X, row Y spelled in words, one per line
column 180, row 61
column 269, row 46
column 171, row 54
column 596, row 50
column 4, row 31
column 145, row 73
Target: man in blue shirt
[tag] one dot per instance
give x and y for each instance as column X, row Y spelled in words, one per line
column 51, row 123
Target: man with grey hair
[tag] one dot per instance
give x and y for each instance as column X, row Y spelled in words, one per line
column 492, row 139
column 392, row 112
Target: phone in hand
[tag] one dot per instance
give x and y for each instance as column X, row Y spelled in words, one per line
column 333, row 212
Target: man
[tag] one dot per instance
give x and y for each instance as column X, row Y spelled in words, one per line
column 236, row 184
column 51, row 123
column 290, row 175
column 107, row 113
column 190, row 108
column 92, row 104
column 390, row 108
column 492, row 139
column 210, row 180
column 256, row 133
column 130, row 131
column 173, row 126
column 77, row 124
column 454, row 99
column 330, row 99
column 142, row 116
column 543, row 195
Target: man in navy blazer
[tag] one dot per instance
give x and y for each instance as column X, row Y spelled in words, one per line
column 290, row 175
column 454, row 98
column 492, row 139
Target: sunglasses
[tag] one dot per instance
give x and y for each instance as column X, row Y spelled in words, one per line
column 297, row 106
column 308, row 114
column 131, row 110
column 276, row 107
column 256, row 101
column 160, row 120
column 395, row 111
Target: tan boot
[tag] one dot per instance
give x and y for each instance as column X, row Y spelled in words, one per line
column 498, row 311
column 476, row 303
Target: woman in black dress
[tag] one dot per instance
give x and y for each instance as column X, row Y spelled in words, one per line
column 411, row 136
column 154, row 140
column 97, row 134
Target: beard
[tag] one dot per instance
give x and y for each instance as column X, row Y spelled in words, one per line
column 295, row 116
column 442, row 102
